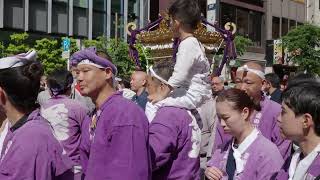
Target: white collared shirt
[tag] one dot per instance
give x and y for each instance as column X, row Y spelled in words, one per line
column 3, row 134
column 238, row 152
column 298, row 169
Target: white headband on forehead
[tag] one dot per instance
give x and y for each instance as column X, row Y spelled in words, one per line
column 152, row 73
column 17, row 60
column 245, row 68
column 88, row 62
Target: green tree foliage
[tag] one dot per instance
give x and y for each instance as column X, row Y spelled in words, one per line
column 2, row 50
column 49, row 54
column 17, row 44
column 242, row 44
column 118, row 50
column 303, row 44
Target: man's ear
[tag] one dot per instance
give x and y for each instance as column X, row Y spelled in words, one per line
column 307, row 120
column 144, row 83
column 108, row 73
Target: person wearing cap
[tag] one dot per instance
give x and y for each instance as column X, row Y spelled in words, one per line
column 65, row 116
column 174, row 133
column 114, row 142
column 250, row 78
column 30, row 150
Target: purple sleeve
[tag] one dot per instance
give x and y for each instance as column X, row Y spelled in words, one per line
column 163, row 140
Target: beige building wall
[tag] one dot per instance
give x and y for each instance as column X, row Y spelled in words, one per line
column 313, row 12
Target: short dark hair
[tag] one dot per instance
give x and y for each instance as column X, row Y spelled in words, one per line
column 273, row 79
column 300, row 78
column 239, row 98
column 187, row 12
column 22, row 85
column 60, row 80
column 304, row 98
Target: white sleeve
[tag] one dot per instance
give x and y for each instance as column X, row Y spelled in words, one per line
column 184, row 62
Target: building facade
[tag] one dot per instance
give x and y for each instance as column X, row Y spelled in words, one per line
column 258, row 20
column 75, row 18
column 313, row 11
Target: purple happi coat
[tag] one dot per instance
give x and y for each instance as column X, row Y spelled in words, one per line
column 116, row 146
column 174, row 137
column 31, row 152
column 312, row 173
column 262, row 159
column 66, row 116
column 266, row 122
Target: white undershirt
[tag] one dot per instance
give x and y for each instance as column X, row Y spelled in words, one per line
column 298, row 169
column 3, row 134
column 238, row 152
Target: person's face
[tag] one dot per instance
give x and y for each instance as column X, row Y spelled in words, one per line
column 92, row 79
column 155, row 89
column 137, row 82
column 291, row 126
column 250, row 83
column 216, row 84
column 232, row 121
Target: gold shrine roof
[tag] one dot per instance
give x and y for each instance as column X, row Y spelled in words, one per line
column 160, row 40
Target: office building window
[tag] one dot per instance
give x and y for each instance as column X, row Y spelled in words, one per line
column 255, row 2
column 248, row 22
column 292, row 24
column 285, row 26
column 60, row 16
column 38, row 14
column 255, row 19
column 242, row 21
column 80, row 17
column 227, row 14
column 134, row 11
column 275, row 28
column 117, row 26
column 99, row 19
column 14, row 14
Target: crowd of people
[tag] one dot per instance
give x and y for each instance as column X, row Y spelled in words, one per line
column 174, row 121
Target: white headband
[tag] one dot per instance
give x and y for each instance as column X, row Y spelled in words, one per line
column 17, row 60
column 245, row 68
column 88, row 62
column 152, row 73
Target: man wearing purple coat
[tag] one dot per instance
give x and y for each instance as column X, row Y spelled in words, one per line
column 300, row 122
column 114, row 143
column 250, row 79
column 65, row 116
column 174, row 135
column 30, row 150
